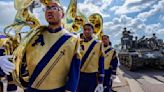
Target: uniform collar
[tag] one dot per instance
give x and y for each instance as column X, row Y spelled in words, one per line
column 87, row 40
column 55, row 30
column 106, row 45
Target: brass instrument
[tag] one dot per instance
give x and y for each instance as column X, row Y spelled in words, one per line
column 78, row 23
column 70, row 14
column 74, row 18
column 13, row 32
column 97, row 21
column 22, row 4
column 23, row 18
column 45, row 2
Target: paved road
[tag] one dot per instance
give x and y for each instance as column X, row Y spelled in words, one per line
column 149, row 79
column 120, row 84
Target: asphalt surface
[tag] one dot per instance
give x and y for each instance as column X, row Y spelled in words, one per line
column 148, row 79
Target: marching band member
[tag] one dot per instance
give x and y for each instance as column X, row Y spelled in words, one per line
column 110, row 63
column 92, row 63
column 52, row 57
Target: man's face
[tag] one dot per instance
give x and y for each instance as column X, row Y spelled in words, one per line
column 54, row 13
column 105, row 40
column 87, row 31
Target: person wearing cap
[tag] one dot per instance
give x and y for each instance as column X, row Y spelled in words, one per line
column 110, row 63
column 92, row 62
column 52, row 57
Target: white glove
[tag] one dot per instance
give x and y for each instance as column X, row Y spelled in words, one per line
column 6, row 66
column 113, row 77
column 99, row 88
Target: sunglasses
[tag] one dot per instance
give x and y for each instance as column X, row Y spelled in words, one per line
column 56, row 8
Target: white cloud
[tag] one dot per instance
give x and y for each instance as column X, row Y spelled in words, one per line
column 114, row 8
column 131, row 6
column 161, row 32
column 114, row 31
column 125, row 20
column 95, row 6
column 102, row 4
column 7, row 11
column 135, row 25
column 155, row 9
column 90, row 8
column 116, row 21
column 153, row 28
column 161, row 18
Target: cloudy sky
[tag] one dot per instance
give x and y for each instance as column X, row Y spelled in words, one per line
column 142, row 17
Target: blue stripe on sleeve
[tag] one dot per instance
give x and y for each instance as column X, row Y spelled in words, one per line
column 101, row 69
column 74, row 74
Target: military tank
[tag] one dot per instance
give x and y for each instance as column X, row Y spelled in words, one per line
column 141, row 52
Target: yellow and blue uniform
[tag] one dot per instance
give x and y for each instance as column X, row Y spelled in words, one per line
column 92, row 65
column 52, row 62
column 110, row 66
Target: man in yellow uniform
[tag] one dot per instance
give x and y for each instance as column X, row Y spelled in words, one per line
column 92, row 63
column 52, row 59
column 110, row 63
